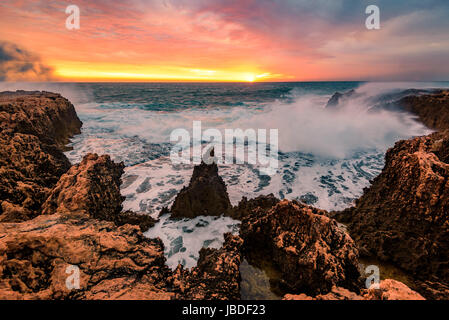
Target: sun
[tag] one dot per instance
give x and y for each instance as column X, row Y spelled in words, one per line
column 250, row 78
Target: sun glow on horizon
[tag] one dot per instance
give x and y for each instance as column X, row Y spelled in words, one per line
column 121, row 72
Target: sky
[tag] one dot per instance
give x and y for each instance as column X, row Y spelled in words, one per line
column 224, row 40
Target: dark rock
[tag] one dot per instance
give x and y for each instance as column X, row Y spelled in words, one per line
column 337, row 97
column 205, row 195
column 313, row 254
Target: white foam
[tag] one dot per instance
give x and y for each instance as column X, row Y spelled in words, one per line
column 183, row 239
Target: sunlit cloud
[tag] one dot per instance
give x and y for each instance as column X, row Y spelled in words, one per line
column 230, row 40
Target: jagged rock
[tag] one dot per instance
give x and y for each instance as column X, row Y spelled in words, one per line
column 336, row 293
column 388, row 290
column 432, row 109
column 216, row 275
column 92, row 187
column 114, row 263
column 34, row 127
column 404, row 216
column 309, row 249
column 433, row 290
column 391, row 290
column 337, row 97
column 205, row 195
column 245, row 206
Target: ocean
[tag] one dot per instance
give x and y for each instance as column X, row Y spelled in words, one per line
column 326, row 155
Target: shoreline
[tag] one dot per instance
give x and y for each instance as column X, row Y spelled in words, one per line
column 98, row 175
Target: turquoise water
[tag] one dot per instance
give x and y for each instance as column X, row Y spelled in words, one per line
column 326, row 156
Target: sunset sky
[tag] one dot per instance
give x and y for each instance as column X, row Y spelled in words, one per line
column 208, row 40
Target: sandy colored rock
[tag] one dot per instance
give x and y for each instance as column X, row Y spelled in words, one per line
column 92, row 187
column 391, row 290
column 114, row 263
column 388, row 290
column 336, row 293
column 34, row 128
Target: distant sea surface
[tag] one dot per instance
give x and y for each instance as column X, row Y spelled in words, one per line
column 326, row 156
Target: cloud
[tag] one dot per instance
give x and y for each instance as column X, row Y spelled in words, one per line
column 295, row 39
column 17, row 64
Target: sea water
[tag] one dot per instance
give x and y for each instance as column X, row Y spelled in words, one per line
column 326, row 155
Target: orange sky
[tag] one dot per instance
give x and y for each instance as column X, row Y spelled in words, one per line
column 222, row 41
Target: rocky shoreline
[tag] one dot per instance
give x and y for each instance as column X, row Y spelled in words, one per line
column 54, row 215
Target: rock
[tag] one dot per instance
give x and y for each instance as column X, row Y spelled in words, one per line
column 205, row 195
column 92, row 187
column 114, row 263
column 391, row 290
column 388, row 290
column 433, row 290
column 336, row 293
column 312, row 253
column 34, row 127
column 432, row 109
column 74, row 219
column 216, row 276
column 46, row 115
column 337, row 97
column 404, row 216
column 245, row 206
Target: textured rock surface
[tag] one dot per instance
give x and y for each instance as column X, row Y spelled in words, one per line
column 205, row 195
column 245, row 206
column 217, row 274
column 391, row 290
column 388, row 290
column 114, row 263
column 404, row 216
column 34, row 127
column 336, row 293
column 432, row 109
column 310, row 250
column 92, row 187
